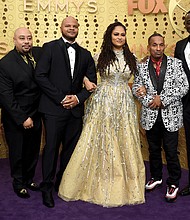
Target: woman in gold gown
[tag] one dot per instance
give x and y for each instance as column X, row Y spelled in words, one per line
column 106, row 167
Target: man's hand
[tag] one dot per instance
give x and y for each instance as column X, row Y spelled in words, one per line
column 70, row 101
column 155, row 103
column 28, row 123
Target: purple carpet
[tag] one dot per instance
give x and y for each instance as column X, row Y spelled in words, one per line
column 13, row 207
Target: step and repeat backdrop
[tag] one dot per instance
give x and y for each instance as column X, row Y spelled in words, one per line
column 141, row 18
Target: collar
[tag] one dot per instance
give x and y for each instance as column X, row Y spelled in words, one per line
column 156, row 61
column 66, row 41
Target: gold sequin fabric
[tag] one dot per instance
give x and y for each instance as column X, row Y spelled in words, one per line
column 106, row 167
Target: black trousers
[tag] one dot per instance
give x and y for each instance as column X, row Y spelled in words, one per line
column 157, row 137
column 59, row 130
column 186, row 120
column 24, row 146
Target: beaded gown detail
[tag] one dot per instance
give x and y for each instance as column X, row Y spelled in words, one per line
column 106, row 167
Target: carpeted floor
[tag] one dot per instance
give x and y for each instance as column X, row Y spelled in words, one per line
column 155, row 208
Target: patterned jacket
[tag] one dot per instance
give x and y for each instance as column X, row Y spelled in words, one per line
column 173, row 85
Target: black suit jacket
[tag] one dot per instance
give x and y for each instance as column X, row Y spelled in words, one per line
column 19, row 93
column 179, row 53
column 53, row 75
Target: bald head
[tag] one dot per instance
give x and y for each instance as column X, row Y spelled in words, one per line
column 23, row 40
column 69, row 28
column 21, row 30
column 69, row 19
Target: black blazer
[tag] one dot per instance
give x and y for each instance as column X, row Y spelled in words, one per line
column 53, row 75
column 19, row 93
column 179, row 53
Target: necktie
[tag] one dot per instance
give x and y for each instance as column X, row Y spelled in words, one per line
column 158, row 64
column 30, row 61
column 71, row 45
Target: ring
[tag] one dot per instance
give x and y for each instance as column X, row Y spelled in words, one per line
column 71, row 106
column 142, row 93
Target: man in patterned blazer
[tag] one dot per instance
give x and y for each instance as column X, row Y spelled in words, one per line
column 182, row 52
column 160, row 85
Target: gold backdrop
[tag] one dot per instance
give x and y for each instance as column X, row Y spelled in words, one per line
column 141, row 18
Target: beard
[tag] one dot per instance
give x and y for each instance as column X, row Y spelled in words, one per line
column 70, row 38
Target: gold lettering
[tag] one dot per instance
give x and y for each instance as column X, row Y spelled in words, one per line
column 28, row 5
column 146, row 6
column 132, row 4
column 3, row 48
column 61, row 6
column 44, row 6
column 92, row 6
column 160, row 7
column 78, row 5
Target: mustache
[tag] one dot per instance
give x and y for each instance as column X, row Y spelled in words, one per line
column 68, row 37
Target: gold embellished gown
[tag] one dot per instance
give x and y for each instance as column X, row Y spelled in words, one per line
column 106, row 167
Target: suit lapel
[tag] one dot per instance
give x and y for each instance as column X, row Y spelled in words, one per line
column 162, row 74
column 77, row 62
column 23, row 64
column 65, row 56
column 152, row 74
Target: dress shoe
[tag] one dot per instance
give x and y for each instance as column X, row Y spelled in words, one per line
column 33, row 186
column 22, row 193
column 48, row 199
column 185, row 191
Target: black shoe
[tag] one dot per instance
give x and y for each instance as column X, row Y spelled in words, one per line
column 33, row 186
column 185, row 191
column 22, row 193
column 48, row 199
column 171, row 193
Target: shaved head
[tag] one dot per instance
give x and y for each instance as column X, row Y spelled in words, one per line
column 69, row 28
column 23, row 40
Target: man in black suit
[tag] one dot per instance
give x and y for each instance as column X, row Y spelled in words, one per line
column 182, row 52
column 19, row 98
column 60, row 74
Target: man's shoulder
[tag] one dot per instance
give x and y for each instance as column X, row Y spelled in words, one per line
column 52, row 42
column 182, row 41
column 143, row 61
column 36, row 52
column 36, row 48
column 173, row 60
column 84, row 51
column 8, row 56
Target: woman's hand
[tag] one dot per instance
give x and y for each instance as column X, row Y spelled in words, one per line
column 141, row 91
column 90, row 86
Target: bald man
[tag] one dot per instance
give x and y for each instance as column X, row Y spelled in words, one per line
column 19, row 98
column 60, row 74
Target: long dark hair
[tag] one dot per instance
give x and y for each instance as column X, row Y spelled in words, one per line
column 107, row 56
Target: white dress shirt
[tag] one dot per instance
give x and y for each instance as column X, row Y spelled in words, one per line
column 72, row 56
column 187, row 54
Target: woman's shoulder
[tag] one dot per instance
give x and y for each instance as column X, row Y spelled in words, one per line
column 96, row 56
